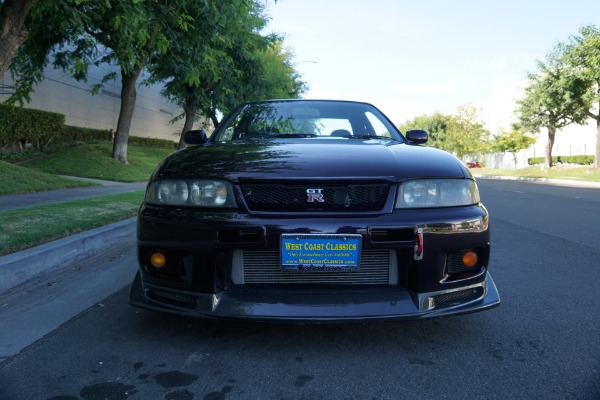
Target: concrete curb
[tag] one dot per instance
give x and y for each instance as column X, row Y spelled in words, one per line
column 18, row 268
column 546, row 181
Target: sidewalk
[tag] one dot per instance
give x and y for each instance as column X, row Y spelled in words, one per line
column 18, row 268
column 57, row 196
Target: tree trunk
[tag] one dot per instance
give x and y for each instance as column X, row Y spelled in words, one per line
column 128, row 95
column 13, row 31
column 549, row 145
column 213, row 117
column 597, row 160
column 190, row 117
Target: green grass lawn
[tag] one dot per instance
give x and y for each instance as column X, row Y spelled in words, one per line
column 31, row 226
column 17, row 179
column 95, row 161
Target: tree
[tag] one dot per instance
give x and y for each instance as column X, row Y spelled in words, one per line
column 549, row 99
column 465, row 134
column 581, row 54
column 202, row 69
column 228, row 61
column 217, row 57
column 461, row 133
column 512, row 142
column 52, row 24
column 277, row 78
column 13, row 30
column 126, row 33
column 435, row 124
column 81, row 33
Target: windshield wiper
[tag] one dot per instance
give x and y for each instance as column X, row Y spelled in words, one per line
column 359, row 136
column 294, row 135
column 367, row 137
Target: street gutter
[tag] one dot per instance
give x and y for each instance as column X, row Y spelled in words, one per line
column 53, row 257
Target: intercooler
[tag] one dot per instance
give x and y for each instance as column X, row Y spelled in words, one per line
column 262, row 267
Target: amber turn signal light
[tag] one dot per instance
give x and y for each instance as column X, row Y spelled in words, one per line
column 469, row 259
column 158, row 260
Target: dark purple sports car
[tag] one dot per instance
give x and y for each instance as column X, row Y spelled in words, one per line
column 312, row 211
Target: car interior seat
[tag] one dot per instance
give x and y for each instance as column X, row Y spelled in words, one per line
column 340, row 133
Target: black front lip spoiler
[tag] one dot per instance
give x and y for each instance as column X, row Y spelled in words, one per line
column 357, row 306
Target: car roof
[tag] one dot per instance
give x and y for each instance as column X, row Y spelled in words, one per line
column 309, row 101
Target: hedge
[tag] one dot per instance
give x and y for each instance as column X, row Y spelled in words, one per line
column 152, row 142
column 579, row 160
column 38, row 127
column 76, row 133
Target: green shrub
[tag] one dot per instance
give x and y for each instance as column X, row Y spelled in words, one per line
column 35, row 126
column 578, row 160
column 152, row 142
column 539, row 160
column 76, row 133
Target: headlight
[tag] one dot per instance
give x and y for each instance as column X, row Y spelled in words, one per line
column 192, row 193
column 428, row 193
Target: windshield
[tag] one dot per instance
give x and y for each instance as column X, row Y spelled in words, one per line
column 300, row 119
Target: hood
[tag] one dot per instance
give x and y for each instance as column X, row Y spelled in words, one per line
column 312, row 159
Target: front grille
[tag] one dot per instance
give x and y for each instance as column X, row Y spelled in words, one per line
column 240, row 235
column 172, row 296
column 295, row 198
column 392, row 235
column 459, row 296
column 262, row 267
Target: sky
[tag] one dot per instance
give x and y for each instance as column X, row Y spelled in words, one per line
column 410, row 58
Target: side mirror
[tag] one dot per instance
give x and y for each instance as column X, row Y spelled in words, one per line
column 195, row 137
column 417, row 136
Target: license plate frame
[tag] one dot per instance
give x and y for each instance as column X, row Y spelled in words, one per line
column 320, row 252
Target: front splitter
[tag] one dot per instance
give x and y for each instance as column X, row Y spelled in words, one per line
column 306, row 306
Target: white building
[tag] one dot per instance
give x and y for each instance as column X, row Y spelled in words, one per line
column 60, row 93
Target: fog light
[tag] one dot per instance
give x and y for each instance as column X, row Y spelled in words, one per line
column 158, row 260
column 469, row 259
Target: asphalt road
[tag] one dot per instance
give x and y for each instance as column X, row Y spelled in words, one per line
column 543, row 342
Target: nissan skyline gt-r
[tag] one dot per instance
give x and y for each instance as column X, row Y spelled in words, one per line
column 312, row 211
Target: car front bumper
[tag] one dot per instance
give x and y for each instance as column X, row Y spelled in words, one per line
column 314, row 305
column 205, row 246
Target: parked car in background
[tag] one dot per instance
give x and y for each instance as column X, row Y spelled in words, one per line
column 313, row 211
column 473, row 164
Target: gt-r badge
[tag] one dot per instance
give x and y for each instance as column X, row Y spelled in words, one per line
column 315, row 195
column 348, row 201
